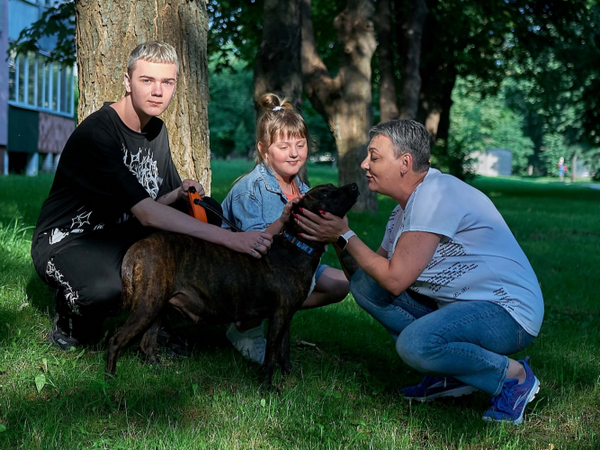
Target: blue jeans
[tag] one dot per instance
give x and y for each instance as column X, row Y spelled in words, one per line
column 467, row 340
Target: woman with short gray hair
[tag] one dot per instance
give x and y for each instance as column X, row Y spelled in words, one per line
column 449, row 281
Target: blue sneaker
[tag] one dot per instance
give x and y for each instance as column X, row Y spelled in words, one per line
column 435, row 387
column 509, row 405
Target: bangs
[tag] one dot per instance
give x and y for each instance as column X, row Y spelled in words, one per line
column 287, row 126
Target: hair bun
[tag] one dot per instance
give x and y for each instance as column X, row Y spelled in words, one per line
column 272, row 102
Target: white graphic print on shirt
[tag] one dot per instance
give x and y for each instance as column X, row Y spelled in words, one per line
column 145, row 168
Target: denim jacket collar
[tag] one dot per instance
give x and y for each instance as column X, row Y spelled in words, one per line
column 271, row 183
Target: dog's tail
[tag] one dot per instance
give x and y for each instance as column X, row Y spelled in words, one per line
column 128, row 269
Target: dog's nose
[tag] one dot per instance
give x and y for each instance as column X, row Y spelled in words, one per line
column 353, row 187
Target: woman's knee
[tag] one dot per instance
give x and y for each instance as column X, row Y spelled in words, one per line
column 417, row 347
column 363, row 287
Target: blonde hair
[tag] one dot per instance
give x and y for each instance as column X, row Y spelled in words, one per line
column 277, row 120
column 153, row 51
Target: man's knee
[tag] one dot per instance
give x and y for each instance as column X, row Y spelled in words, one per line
column 101, row 293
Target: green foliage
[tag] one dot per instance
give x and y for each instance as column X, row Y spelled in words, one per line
column 231, row 111
column 232, row 117
column 479, row 123
column 58, row 22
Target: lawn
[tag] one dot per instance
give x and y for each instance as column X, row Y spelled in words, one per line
column 342, row 392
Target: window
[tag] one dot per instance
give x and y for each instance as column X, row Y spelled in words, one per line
column 41, row 82
column 38, row 83
column 21, row 79
column 12, row 78
column 31, row 85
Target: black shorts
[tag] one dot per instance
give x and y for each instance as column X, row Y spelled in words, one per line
column 87, row 266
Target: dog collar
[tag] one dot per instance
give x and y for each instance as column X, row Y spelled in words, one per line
column 298, row 243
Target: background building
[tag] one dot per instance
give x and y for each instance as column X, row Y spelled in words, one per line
column 37, row 97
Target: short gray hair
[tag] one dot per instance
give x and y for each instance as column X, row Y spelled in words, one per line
column 153, row 51
column 407, row 136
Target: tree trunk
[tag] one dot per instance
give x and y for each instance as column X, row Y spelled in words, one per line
column 414, row 13
column 435, row 100
column 278, row 66
column 344, row 101
column 107, row 31
column 388, row 105
column 574, row 167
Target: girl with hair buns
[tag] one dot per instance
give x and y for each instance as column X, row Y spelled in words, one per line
column 258, row 201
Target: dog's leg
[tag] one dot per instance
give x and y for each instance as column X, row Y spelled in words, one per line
column 284, row 350
column 135, row 324
column 141, row 317
column 274, row 339
column 148, row 344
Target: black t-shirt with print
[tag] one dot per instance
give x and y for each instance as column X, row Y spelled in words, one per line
column 105, row 169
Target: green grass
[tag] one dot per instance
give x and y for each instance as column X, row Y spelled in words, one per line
column 342, row 392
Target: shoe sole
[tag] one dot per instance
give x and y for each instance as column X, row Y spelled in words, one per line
column 530, row 398
column 60, row 343
column 458, row 392
column 233, row 337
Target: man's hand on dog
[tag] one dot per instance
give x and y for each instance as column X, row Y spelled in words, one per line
column 254, row 243
column 185, row 186
column 325, row 227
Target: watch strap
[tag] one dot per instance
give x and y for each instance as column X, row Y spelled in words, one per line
column 342, row 241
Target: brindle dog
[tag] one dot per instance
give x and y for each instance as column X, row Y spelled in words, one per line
column 211, row 284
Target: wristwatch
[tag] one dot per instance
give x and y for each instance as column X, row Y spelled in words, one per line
column 342, row 241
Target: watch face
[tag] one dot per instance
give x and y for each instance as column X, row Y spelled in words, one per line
column 342, row 242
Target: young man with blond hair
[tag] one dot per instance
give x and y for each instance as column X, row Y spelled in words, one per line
column 116, row 183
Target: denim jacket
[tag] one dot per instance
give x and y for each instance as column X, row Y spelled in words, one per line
column 256, row 200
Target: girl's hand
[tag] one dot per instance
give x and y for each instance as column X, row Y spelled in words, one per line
column 324, row 228
column 254, row 243
column 287, row 210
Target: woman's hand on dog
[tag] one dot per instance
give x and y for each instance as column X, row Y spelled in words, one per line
column 253, row 243
column 325, row 227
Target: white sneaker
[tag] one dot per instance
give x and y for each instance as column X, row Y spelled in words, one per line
column 251, row 343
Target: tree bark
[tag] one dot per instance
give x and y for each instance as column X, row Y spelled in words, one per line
column 414, row 13
column 388, row 104
column 278, row 66
column 435, row 99
column 344, row 101
column 107, row 31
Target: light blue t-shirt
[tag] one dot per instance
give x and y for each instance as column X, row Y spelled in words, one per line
column 478, row 258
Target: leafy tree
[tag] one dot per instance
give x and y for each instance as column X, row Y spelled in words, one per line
column 231, row 110
column 344, row 100
column 56, row 22
column 480, row 123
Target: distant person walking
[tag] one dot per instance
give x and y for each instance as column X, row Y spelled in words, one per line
column 562, row 168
